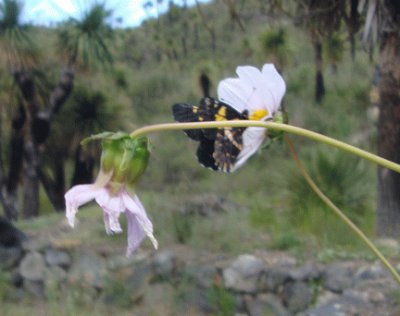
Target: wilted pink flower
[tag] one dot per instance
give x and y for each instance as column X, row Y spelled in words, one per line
column 258, row 92
column 113, row 204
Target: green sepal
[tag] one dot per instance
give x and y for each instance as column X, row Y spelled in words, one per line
column 275, row 135
column 105, row 135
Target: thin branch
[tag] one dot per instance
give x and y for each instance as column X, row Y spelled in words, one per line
column 338, row 212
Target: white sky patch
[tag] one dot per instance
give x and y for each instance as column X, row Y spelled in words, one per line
column 66, row 6
column 126, row 13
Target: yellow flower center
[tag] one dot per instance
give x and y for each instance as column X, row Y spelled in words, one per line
column 258, row 114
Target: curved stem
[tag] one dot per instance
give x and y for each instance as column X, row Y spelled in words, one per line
column 271, row 125
column 339, row 213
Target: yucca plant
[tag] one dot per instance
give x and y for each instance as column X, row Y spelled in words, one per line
column 345, row 181
column 83, row 41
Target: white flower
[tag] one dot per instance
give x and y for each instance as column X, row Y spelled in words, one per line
column 258, row 92
column 113, row 204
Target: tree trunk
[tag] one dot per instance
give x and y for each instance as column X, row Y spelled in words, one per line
column 388, row 206
column 40, row 122
column 31, row 181
column 319, row 78
column 15, row 163
column 55, row 189
column 84, row 165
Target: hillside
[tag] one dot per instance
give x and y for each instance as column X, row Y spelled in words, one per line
column 264, row 207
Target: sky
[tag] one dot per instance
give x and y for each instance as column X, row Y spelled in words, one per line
column 131, row 12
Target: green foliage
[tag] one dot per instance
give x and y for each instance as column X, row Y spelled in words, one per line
column 91, row 113
column 343, row 179
column 286, row 240
column 116, row 291
column 274, row 44
column 5, row 285
column 182, row 226
column 222, row 300
column 15, row 40
column 87, row 38
column 334, row 48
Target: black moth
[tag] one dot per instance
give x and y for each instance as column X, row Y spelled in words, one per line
column 218, row 148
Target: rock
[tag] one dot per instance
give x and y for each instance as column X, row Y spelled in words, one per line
column 306, row 272
column 89, row 269
column 32, row 267
column 137, row 282
column 57, row 258
column 163, row 294
column 34, row 288
column 17, row 280
column 366, row 273
column 273, row 279
column 35, row 245
column 243, row 274
column 208, row 205
column 206, row 276
column 297, row 296
column 54, row 281
column 9, row 257
column 165, row 264
column 350, row 303
column 116, row 262
column 265, row 305
column 200, row 300
column 324, row 297
column 56, row 273
column 338, row 277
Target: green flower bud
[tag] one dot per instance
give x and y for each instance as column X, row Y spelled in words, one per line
column 139, row 160
column 111, row 155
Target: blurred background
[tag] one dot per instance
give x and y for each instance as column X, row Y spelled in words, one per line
column 74, row 68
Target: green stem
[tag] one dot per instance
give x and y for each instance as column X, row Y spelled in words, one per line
column 339, row 213
column 271, row 125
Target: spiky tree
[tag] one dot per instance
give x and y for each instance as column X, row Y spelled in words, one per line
column 81, row 41
column 18, row 53
column 320, row 18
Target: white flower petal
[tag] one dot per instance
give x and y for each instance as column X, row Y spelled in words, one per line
column 134, row 206
column 250, row 75
column 135, row 233
column 107, row 223
column 252, row 140
column 113, row 203
column 232, row 91
column 275, row 84
column 112, row 221
column 260, row 97
column 77, row 196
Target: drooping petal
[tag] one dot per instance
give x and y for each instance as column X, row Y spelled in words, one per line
column 77, row 196
column 112, row 206
column 107, row 223
column 113, row 203
column 134, row 206
column 136, row 233
column 252, row 140
column 111, row 221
